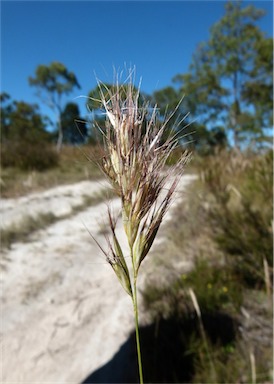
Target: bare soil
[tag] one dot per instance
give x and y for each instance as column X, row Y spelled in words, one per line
column 64, row 313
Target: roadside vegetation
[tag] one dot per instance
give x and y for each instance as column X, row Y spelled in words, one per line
column 222, row 306
column 71, row 165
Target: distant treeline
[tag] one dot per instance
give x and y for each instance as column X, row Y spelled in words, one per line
column 228, row 95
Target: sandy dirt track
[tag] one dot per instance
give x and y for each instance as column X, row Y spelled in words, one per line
column 64, row 314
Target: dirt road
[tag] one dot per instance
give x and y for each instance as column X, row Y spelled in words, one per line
column 64, row 314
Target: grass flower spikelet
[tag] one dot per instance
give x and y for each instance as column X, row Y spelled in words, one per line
column 136, row 149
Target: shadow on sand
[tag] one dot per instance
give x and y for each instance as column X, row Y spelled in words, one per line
column 165, row 351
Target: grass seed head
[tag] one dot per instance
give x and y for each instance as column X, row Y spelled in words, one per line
column 137, row 147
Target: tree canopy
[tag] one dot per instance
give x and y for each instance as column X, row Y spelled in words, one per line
column 25, row 141
column 230, row 77
column 52, row 82
column 74, row 127
column 21, row 121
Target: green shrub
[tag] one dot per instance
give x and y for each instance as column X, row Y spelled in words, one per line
column 215, row 288
column 209, row 342
column 215, row 349
column 28, row 156
column 240, row 193
column 245, row 236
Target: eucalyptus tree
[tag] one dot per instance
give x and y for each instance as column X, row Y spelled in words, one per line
column 74, row 127
column 52, row 83
column 229, row 82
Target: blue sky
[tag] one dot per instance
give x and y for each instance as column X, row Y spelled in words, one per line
column 89, row 37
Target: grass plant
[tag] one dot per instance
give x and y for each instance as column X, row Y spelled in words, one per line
column 240, row 188
column 203, row 333
column 136, row 148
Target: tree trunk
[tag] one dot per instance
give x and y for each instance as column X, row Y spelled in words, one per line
column 59, row 141
column 236, row 112
column 60, row 133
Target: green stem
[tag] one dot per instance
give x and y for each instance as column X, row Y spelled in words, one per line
column 135, row 306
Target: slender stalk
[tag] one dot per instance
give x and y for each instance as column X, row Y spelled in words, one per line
column 135, row 306
column 202, row 331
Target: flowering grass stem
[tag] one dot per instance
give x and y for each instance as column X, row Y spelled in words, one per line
column 136, row 148
column 135, row 306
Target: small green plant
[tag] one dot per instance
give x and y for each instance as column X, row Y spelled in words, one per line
column 215, row 287
column 134, row 162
